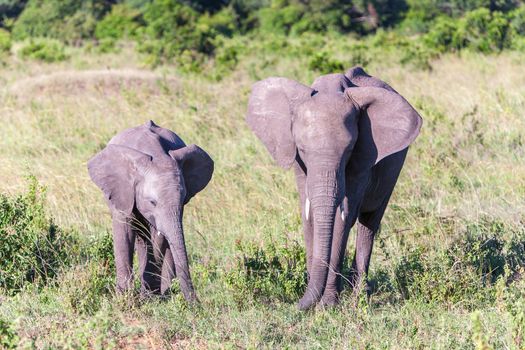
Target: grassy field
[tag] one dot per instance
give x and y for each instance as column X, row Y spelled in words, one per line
column 447, row 264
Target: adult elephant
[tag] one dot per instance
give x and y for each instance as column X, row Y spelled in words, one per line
column 148, row 174
column 346, row 137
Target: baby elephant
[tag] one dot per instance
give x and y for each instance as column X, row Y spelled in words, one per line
column 147, row 175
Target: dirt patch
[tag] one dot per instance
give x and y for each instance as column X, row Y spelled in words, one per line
column 105, row 82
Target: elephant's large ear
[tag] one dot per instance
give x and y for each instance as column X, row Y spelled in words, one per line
column 115, row 170
column 197, row 168
column 270, row 115
column 388, row 123
column 360, row 78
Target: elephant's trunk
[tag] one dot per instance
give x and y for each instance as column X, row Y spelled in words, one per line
column 175, row 238
column 323, row 192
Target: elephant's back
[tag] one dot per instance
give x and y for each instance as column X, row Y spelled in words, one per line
column 149, row 138
column 331, row 83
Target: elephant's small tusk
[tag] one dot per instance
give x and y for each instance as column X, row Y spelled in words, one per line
column 158, row 233
column 342, row 212
column 307, row 208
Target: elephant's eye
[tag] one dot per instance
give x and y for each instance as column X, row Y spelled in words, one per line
column 153, row 202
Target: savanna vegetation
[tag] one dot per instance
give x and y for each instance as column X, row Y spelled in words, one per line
column 448, row 264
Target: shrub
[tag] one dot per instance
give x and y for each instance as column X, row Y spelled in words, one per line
column 47, row 50
column 517, row 20
column 100, row 249
column 32, row 247
column 511, row 298
column 120, row 23
column 5, row 41
column 441, row 36
column 466, row 270
column 8, row 337
column 482, row 31
column 222, row 22
column 226, row 59
column 279, row 20
column 67, row 20
column 173, row 29
column 324, row 64
column 83, row 287
column 269, row 272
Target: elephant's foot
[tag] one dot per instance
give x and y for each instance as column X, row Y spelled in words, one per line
column 308, row 301
column 361, row 285
column 329, row 299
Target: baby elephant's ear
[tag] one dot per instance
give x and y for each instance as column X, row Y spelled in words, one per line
column 270, row 115
column 197, row 168
column 388, row 123
column 115, row 170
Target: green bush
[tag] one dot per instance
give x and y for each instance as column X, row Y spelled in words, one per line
column 279, row 20
column 5, row 41
column 68, row 20
column 84, row 287
column 172, row 29
column 324, row 64
column 226, row 59
column 8, row 337
column 121, row 22
column 271, row 272
column 517, row 20
column 32, row 247
column 511, row 298
column 222, row 22
column 466, row 270
column 47, row 50
column 100, row 249
column 442, row 34
column 483, row 31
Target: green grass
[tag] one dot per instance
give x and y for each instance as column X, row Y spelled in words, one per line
column 459, row 200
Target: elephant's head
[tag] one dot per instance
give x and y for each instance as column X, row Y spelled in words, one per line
column 326, row 127
column 157, row 187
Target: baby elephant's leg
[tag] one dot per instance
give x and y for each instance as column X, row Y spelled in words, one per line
column 123, row 246
column 165, row 263
column 149, row 270
column 168, row 271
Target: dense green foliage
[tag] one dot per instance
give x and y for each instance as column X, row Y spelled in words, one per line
column 274, row 272
column 8, row 337
column 47, row 50
column 32, row 248
column 5, row 41
column 189, row 32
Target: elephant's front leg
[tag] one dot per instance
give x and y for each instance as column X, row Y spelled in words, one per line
column 308, row 229
column 165, row 261
column 334, row 283
column 344, row 220
column 123, row 248
column 168, row 272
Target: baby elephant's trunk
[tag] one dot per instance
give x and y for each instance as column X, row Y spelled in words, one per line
column 175, row 237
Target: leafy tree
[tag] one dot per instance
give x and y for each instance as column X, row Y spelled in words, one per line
column 68, row 20
column 383, row 13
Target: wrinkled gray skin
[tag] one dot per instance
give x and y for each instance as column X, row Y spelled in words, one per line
column 346, row 138
column 147, row 174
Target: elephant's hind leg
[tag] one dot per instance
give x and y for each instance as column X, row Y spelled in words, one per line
column 377, row 196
